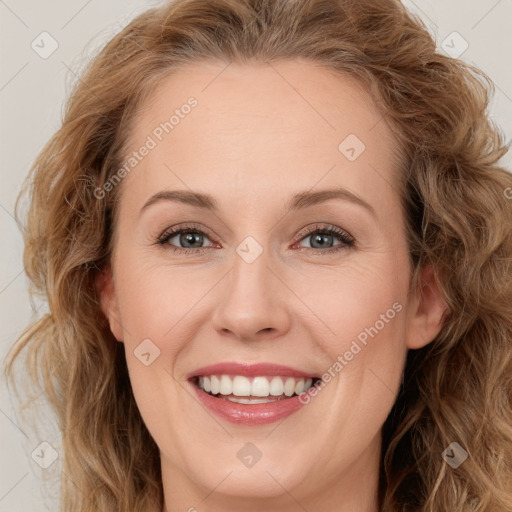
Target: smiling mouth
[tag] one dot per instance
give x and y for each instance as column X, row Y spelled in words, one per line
column 253, row 390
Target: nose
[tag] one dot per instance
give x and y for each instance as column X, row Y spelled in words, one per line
column 253, row 302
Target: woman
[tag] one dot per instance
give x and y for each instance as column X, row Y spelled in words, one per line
column 337, row 336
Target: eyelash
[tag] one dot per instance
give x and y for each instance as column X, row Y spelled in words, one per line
column 347, row 241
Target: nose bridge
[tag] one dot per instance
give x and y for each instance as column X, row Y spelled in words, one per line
column 252, row 299
column 251, row 276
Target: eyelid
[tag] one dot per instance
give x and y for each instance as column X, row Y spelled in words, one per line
column 326, row 228
column 189, row 226
column 346, row 239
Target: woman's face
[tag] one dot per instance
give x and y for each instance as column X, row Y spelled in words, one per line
column 258, row 279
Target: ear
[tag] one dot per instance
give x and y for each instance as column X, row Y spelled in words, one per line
column 108, row 302
column 427, row 310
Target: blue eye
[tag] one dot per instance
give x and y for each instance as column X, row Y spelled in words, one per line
column 191, row 239
column 322, row 236
column 185, row 235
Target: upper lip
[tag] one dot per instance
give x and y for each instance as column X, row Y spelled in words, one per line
column 250, row 370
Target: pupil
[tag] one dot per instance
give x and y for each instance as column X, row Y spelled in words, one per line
column 320, row 237
column 189, row 237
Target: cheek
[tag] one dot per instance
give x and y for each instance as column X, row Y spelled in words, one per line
column 155, row 299
column 360, row 328
column 362, row 303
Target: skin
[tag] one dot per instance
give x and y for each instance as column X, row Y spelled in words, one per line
column 258, row 135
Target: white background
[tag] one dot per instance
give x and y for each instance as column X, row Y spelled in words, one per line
column 32, row 91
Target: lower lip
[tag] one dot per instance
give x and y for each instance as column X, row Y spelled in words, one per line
column 247, row 414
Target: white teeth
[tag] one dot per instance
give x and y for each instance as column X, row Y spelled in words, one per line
column 299, row 387
column 289, row 386
column 260, row 386
column 276, row 386
column 251, row 400
column 241, row 386
column 215, row 385
column 226, row 386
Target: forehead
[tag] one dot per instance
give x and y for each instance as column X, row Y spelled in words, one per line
column 253, row 125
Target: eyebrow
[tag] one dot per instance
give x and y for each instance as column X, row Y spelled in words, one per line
column 298, row 201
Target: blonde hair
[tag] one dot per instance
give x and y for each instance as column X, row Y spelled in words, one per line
column 457, row 388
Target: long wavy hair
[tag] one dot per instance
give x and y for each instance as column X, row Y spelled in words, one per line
column 456, row 199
